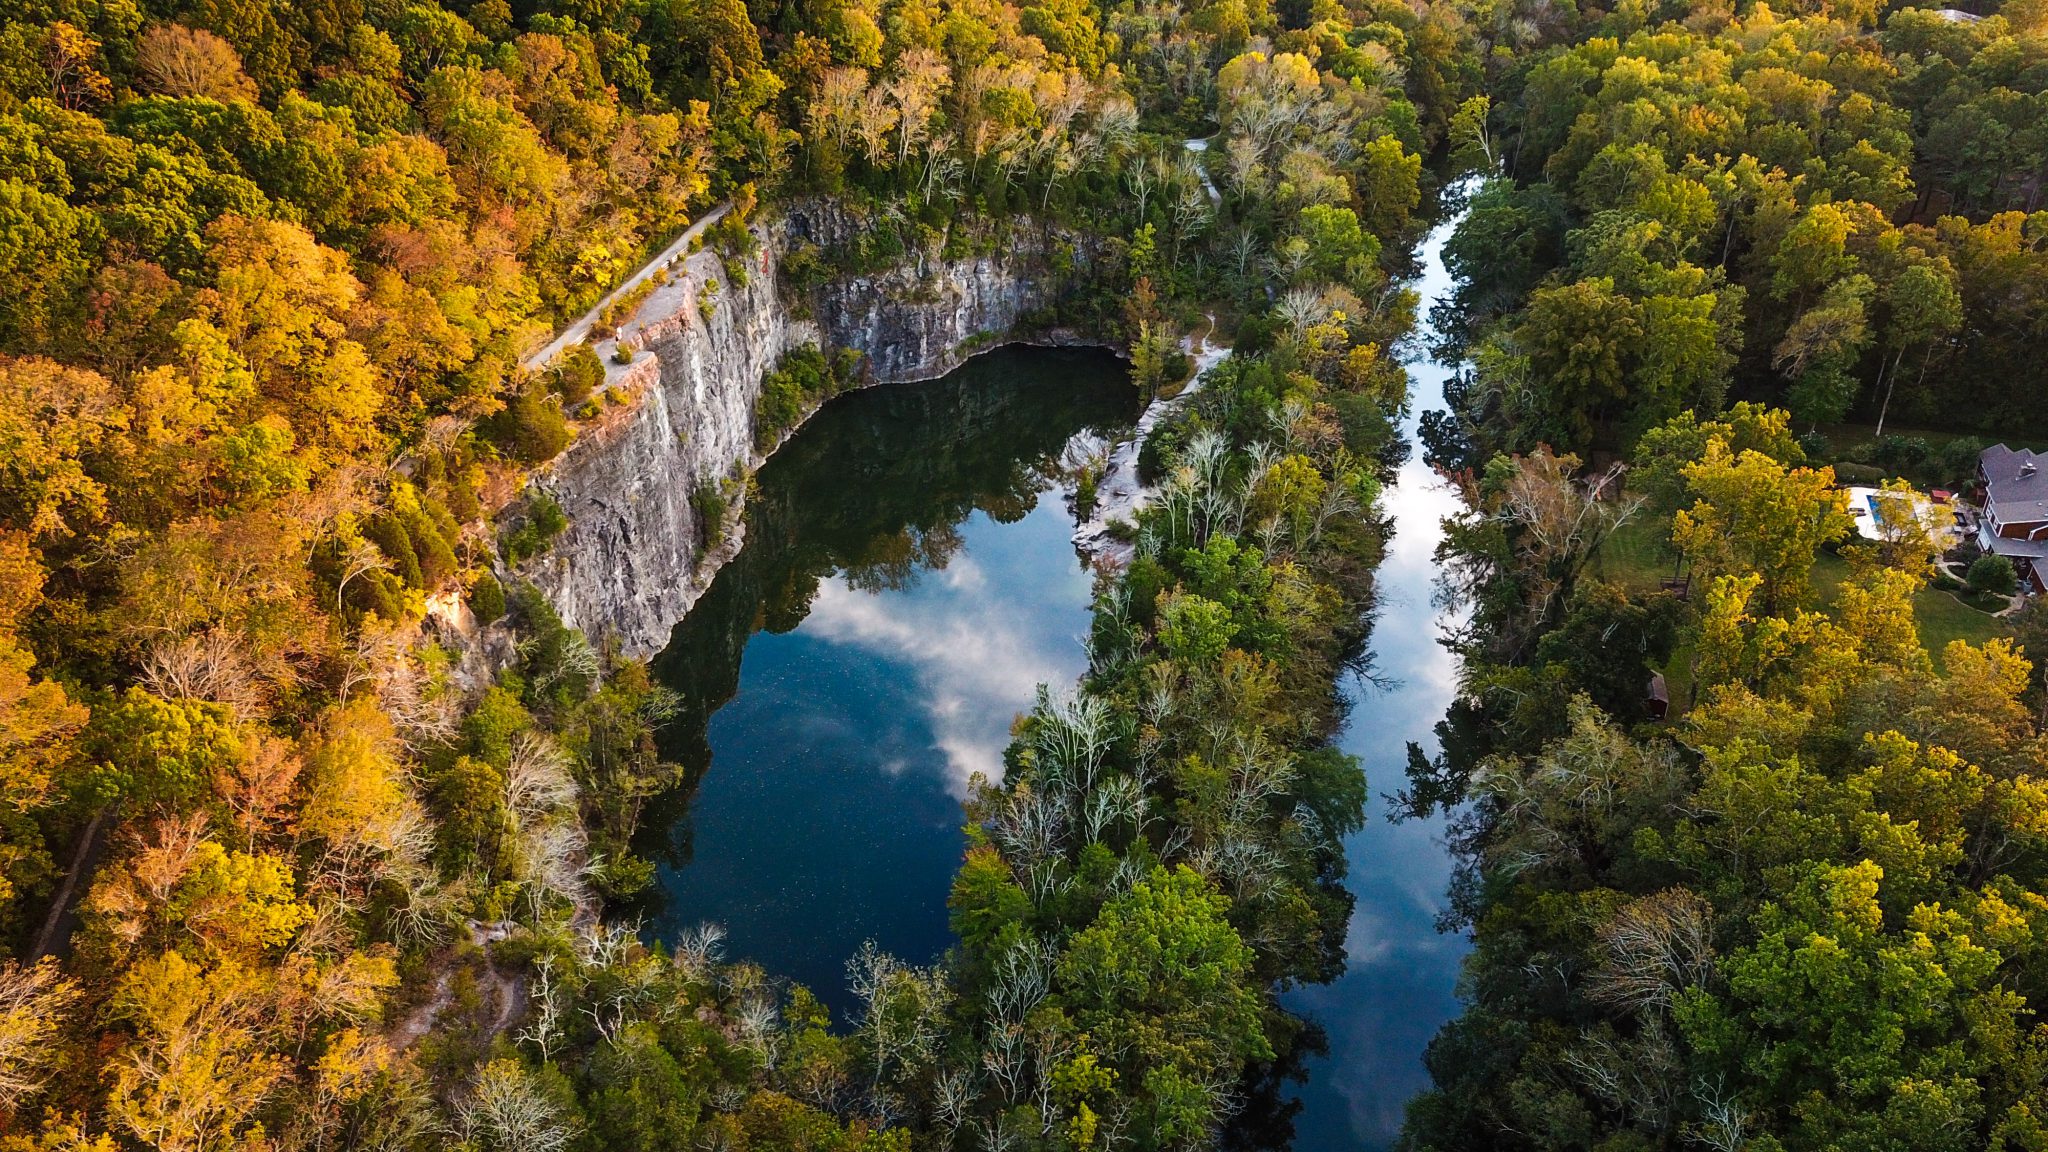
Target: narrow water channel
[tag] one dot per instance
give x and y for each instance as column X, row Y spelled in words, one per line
column 1400, row 981
column 907, row 581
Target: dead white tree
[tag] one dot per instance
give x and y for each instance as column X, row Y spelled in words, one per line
column 954, row 1092
column 209, row 666
column 899, row 1020
column 1071, row 738
column 33, row 998
column 697, row 950
column 361, row 559
column 537, row 779
column 544, row 1029
column 1724, row 1122
column 505, row 1110
column 1652, row 949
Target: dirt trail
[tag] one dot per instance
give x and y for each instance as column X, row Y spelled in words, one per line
column 55, row 938
column 577, row 331
column 506, row 989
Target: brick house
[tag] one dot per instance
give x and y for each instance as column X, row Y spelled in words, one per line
column 2015, row 521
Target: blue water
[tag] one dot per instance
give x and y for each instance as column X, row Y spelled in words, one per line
column 1400, row 982
column 907, row 582
column 833, row 812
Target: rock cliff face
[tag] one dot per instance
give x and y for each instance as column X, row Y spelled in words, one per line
column 628, row 567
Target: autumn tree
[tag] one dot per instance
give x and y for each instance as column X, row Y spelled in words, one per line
column 1753, row 515
column 33, row 1002
column 198, row 1070
column 181, row 61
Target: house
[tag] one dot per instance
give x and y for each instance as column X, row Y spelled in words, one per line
column 2015, row 520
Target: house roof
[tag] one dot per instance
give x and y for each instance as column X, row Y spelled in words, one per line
column 2018, row 482
column 2035, row 550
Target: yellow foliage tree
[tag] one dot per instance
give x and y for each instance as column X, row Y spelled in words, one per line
column 52, row 418
column 33, row 998
column 198, row 1069
column 354, row 778
column 283, row 301
column 1752, row 515
column 238, row 903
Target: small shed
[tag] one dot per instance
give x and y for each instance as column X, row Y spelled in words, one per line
column 1659, row 701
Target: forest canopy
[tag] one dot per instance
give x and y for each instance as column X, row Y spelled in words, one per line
column 285, row 867
column 1716, row 262
column 288, row 868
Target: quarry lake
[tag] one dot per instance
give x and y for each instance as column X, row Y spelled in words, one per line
column 906, row 583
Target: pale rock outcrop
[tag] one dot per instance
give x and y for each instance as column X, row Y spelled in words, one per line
column 627, row 566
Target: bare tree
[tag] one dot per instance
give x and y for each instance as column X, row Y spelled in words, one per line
column 758, row 1025
column 874, row 117
column 544, row 1028
column 697, row 950
column 901, row 1012
column 1247, row 174
column 953, row 1095
column 1641, row 1076
column 258, row 785
column 1303, row 308
column 537, row 779
column 178, row 61
column 557, row 863
column 33, row 998
column 832, row 113
column 504, row 1110
column 1652, row 949
column 1724, row 1122
column 920, row 73
column 361, row 559
column 1021, row 980
column 1070, row 738
column 1142, row 182
column 209, row 666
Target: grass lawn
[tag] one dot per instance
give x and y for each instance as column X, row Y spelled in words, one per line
column 1638, row 558
column 1845, row 438
column 1942, row 618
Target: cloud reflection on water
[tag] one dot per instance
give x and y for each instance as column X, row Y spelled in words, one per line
column 832, row 813
column 978, row 647
column 1400, row 982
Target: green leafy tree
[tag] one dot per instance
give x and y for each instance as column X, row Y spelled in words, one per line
column 1163, row 979
column 1992, row 574
column 1580, row 338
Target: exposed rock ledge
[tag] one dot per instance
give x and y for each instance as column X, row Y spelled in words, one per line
column 1103, row 537
column 626, row 568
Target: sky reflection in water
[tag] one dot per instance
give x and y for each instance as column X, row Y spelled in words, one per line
column 906, row 585
column 832, row 815
column 1400, row 983
column 832, row 721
